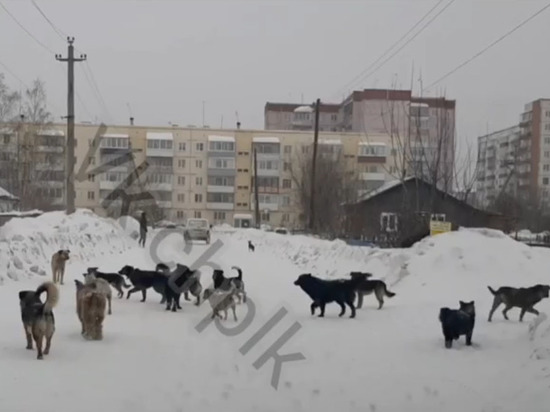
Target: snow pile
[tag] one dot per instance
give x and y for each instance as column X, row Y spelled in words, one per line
column 130, row 226
column 27, row 244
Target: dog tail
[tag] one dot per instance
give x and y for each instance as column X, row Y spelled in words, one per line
column 239, row 271
column 388, row 293
column 494, row 292
column 161, row 267
column 52, row 295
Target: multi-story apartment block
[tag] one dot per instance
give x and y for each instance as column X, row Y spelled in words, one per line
column 32, row 165
column 423, row 127
column 517, row 160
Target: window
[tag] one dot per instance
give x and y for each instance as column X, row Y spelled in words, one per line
column 265, row 217
column 288, row 149
column 6, row 139
column 221, row 163
column 378, row 150
column 199, row 147
column 546, row 154
column 268, row 165
column 219, row 216
column 546, row 168
column 221, row 146
column 198, row 181
column 198, row 198
column 181, row 147
column 159, row 178
column 287, row 184
column 181, row 180
column 198, row 214
column 181, row 163
column 373, row 169
column 181, row 197
column 180, row 214
column 267, row 148
column 547, row 126
column 286, row 166
column 388, row 222
column 221, row 181
column 220, row 197
column 285, row 218
column 160, row 144
column 286, row 201
column 545, row 181
column 438, row 217
column 91, row 195
column 334, row 117
column 198, row 164
column 91, row 178
column 305, row 149
column 547, row 113
column 547, row 140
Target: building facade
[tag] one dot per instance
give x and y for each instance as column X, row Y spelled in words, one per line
column 516, row 160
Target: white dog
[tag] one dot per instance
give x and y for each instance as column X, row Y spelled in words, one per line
column 221, row 300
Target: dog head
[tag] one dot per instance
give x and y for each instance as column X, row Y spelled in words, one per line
column 79, row 285
column 89, row 278
column 217, row 274
column 468, row 307
column 25, row 294
column 126, row 270
column 360, row 275
column 207, row 293
column 303, row 279
column 543, row 290
column 92, row 270
column 64, row 254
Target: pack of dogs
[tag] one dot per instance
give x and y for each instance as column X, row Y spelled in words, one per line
column 94, row 297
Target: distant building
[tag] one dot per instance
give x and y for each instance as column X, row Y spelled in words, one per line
column 290, row 116
column 8, row 202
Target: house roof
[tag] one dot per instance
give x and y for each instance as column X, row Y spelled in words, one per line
column 4, row 194
column 384, row 188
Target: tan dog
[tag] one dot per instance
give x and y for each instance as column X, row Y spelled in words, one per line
column 59, row 260
column 102, row 285
column 90, row 307
column 221, row 301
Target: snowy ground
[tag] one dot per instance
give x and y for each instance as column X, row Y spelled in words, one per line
column 387, row 360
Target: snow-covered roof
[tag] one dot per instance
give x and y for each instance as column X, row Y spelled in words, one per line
column 115, row 136
column 50, row 132
column 329, row 141
column 265, row 140
column 386, row 186
column 303, row 109
column 242, row 216
column 372, row 144
column 221, row 139
column 159, row 136
column 4, row 194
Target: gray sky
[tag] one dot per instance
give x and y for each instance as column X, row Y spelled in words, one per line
column 166, row 57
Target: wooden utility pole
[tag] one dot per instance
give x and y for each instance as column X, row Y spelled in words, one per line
column 313, row 167
column 69, row 172
column 256, row 196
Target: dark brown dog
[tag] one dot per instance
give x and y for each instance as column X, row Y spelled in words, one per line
column 524, row 298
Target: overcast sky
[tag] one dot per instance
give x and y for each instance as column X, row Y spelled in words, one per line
column 164, row 58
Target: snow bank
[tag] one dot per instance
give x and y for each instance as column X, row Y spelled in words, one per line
column 27, row 244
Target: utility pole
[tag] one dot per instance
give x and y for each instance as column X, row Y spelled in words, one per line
column 69, row 172
column 256, row 196
column 313, row 166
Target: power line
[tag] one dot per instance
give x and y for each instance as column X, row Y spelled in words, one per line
column 408, row 41
column 389, row 49
column 101, row 100
column 25, row 30
column 13, row 74
column 461, row 65
column 53, row 26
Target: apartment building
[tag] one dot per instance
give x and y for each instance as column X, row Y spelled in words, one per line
column 32, row 165
column 517, row 160
column 423, row 127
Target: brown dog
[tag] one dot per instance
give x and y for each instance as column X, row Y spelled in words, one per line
column 59, row 260
column 90, row 308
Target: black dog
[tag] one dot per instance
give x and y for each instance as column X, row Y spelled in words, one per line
column 524, row 298
column 458, row 322
column 114, row 279
column 182, row 280
column 367, row 286
column 251, row 247
column 341, row 291
column 226, row 284
column 145, row 279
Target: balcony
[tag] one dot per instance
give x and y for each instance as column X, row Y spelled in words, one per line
column 160, row 144
column 267, row 148
column 164, row 204
column 219, row 171
column 160, row 187
column 219, row 206
column 269, row 202
column 269, row 172
column 50, row 149
column 108, row 184
column 112, row 142
column 221, row 146
column 220, row 189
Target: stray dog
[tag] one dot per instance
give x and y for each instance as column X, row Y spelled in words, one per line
column 182, row 280
column 251, row 247
column 458, row 322
column 59, row 260
column 223, row 283
column 102, row 286
column 524, row 298
column 37, row 317
column 143, row 280
column 341, row 291
column 90, row 308
column 366, row 287
column 114, row 279
column 221, row 300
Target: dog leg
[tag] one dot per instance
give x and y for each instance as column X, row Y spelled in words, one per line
column 62, row 274
column 312, row 307
column 134, row 289
column 186, row 295
column 505, row 311
column 38, row 339
column 234, row 312
column 28, row 335
column 530, row 310
column 48, row 345
column 448, row 343
column 496, row 304
column 380, row 298
column 322, row 306
column 342, row 309
column 109, row 303
column 359, row 300
column 143, row 294
column 198, row 303
column 469, row 339
column 244, row 296
column 352, row 308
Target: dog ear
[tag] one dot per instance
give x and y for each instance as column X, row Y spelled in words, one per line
column 462, row 303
